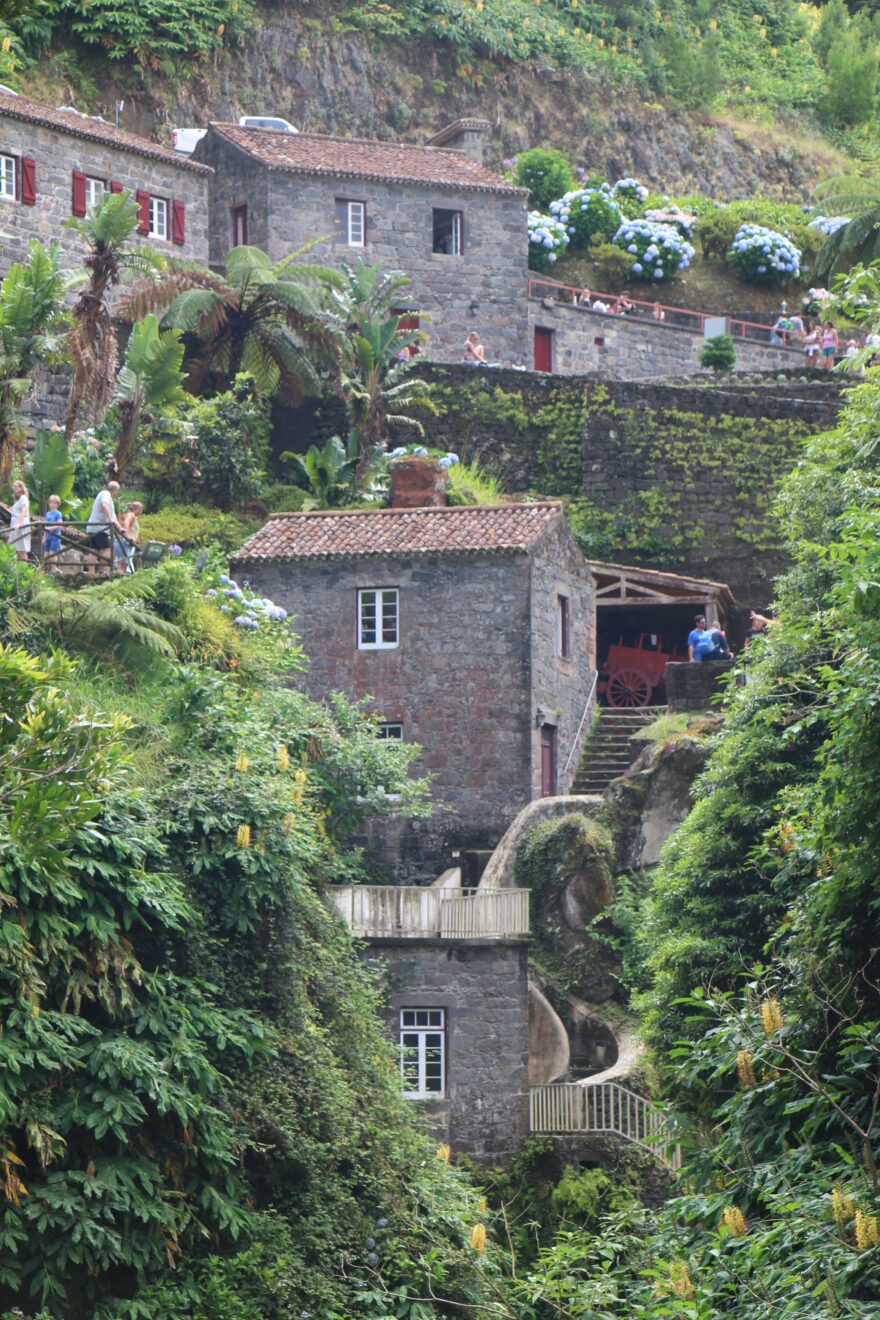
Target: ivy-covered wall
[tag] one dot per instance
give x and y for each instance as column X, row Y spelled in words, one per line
column 679, row 476
column 683, row 477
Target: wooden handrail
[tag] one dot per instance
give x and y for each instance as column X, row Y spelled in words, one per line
column 604, row 1107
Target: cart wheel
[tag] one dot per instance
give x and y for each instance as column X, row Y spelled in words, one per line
column 628, row 687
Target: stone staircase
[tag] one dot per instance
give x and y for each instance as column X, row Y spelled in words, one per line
column 611, row 749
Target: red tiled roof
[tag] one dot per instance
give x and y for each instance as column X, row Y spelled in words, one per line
column 34, row 112
column 474, row 529
column 356, row 158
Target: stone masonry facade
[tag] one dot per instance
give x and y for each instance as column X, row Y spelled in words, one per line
column 475, row 676
column 483, row 990
column 630, row 348
column 100, row 152
column 483, row 288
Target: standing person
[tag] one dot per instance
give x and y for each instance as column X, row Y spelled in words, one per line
column 830, row 344
column 659, row 314
column 473, row 350
column 20, row 521
column 625, row 305
column 52, row 521
column 812, row 345
column 126, row 550
column 101, row 519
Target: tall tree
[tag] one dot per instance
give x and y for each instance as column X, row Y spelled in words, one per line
column 150, row 382
column 369, row 315
column 31, row 334
column 107, row 232
column 263, row 317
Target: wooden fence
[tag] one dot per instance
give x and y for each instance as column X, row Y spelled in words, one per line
column 606, row 1107
column 377, row 911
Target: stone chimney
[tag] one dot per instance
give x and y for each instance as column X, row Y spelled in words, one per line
column 464, row 135
column 417, row 483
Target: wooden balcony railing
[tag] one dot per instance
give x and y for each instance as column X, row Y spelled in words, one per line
column 382, row 911
column 606, row 1107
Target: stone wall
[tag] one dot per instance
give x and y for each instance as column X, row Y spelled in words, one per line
column 636, row 348
column 694, row 686
column 484, row 990
column 57, row 155
column 286, row 210
column 560, row 688
column 676, row 475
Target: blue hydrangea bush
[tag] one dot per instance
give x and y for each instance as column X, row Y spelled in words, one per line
column 586, row 213
column 630, row 196
column 548, row 237
column 764, row 256
column 829, row 224
column 660, row 251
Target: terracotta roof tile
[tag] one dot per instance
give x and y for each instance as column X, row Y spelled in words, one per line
column 310, row 153
column 475, row 529
column 34, row 112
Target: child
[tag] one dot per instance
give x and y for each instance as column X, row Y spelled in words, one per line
column 126, row 550
column 52, row 540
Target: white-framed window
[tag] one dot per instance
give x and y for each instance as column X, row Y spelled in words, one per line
column 563, row 627
column 448, row 232
column 390, row 730
column 239, row 225
column 95, row 189
column 158, row 217
column 423, row 1052
column 378, row 621
column 351, row 221
column 7, row 177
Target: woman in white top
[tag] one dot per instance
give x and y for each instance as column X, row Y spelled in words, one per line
column 812, row 345
column 20, row 521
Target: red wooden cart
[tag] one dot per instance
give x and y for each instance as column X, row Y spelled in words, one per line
column 631, row 673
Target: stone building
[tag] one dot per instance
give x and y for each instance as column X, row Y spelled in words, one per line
column 472, row 631
column 434, row 211
column 55, row 163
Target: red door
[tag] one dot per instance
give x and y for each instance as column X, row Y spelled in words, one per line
column 543, row 349
column 548, row 760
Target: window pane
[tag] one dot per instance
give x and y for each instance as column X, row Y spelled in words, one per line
column 389, row 616
column 356, row 216
column 448, row 232
column 7, row 176
column 94, row 190
column 158, row 217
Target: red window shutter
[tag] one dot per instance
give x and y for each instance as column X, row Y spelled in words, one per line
column 115, row 186
column 28, row 181
column 178, row 223
column 143, row 201
column 78, row 205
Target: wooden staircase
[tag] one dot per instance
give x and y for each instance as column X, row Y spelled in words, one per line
column 611, row 749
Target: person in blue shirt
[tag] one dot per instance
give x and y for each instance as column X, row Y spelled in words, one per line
column 52, row 520
column 707, row 644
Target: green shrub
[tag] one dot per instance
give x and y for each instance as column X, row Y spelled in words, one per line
column 193, row 524
column 718, row 354
column 279, row 497
column 614, row 264
column 851, row 94
column 546, row 174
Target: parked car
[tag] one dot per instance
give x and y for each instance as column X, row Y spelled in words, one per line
column 267, row 121
column 185, row 140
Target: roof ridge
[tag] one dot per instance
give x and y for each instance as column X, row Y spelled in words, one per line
column 335, row 137
column 421, row 508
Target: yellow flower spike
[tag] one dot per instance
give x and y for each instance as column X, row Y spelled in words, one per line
column 774, row 51
column 282, row 758
column 713, row 24
column 443, row 1152
column 243, row 836
column 745, row 1070
column 734, row 1220
column 843, row 1207
column 289, row 823
column 243, row 762
column 589, row 36
column 479, row 6
column 867, row 1231
column 7, row 45
column 482, row 1205
column 680, row 1278
column 478, row 1238
column 600, row 43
